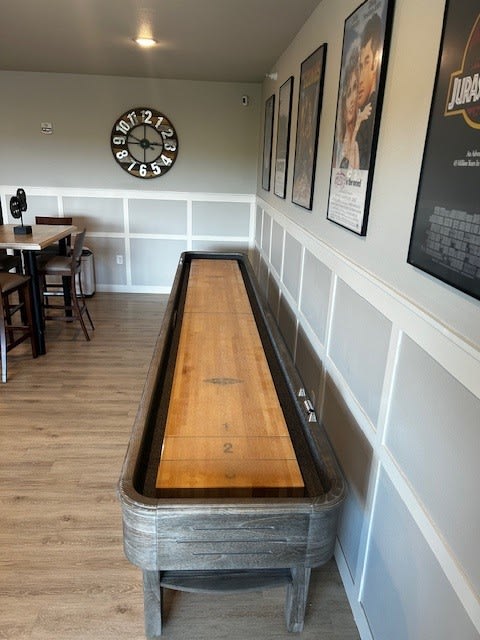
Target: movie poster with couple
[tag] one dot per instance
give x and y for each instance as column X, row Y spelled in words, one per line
column 366, row 40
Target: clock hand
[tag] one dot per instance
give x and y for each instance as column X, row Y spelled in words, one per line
column 151, row 145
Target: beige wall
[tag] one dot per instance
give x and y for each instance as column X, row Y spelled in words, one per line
column 218, row 137
column 129, row 220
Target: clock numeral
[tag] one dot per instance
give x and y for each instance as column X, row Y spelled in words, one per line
column 122, row 154
column 166, row 133
column 147, row 116
column 131, row 166
column 159, row 121
column 132, row 116
column 166, row 160
column 143, row 170
column 123, row 126
column 155, row 168
column 170, row 146
column 119, row 140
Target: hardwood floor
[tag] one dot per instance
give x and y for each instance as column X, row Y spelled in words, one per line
column 65, row 421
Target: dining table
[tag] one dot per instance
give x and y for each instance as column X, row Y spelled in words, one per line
column 29, row 245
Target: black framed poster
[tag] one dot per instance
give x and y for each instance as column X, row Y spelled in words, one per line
column 312, row 72
column 267, row 142
column 366, row 41
column 445, row 240
column 283, row 137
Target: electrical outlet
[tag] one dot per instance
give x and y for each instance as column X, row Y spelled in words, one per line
column 119, row 258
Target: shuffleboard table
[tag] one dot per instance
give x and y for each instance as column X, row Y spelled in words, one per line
column 229, row 482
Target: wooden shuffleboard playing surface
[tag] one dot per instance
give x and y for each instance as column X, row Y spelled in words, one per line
column 225, row 432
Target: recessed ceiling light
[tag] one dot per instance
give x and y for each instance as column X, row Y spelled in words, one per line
column 145, row 42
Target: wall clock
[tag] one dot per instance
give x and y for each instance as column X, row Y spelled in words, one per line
column 144, row 143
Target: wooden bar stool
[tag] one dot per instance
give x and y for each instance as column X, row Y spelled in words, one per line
column 14, row 299
column 61, row 248
column 67, row 267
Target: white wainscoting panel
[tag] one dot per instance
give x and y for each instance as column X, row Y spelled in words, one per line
column 137, row 236
column 399, row 396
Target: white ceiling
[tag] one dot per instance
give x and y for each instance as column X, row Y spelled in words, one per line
column 218, row 40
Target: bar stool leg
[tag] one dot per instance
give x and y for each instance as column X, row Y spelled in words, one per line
column 3, row 349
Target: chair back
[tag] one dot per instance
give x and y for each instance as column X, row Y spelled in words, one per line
column 78, row 248
column 52, row 220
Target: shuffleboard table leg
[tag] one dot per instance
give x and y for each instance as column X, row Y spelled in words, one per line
column 296, row 600
column 152, row 598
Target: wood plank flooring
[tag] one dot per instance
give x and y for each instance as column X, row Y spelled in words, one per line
column 65, row 422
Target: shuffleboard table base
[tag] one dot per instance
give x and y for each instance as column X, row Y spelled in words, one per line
column 296, row 581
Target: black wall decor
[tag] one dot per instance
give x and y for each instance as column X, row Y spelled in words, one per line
column 445, row 240
column 267, row 142
column 312, row 74
column 283, row 137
